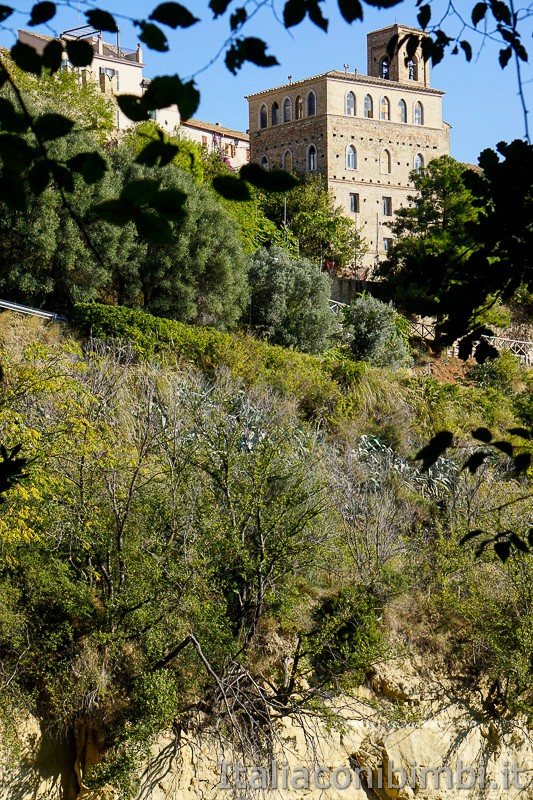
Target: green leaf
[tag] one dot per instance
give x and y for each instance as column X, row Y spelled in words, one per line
column 133, row 107
column 500, row 11
column 475, row 461
column 383, row 3
column 504, row 447
column 424, row 15
column 467, row 49
column 174, row 15
column 168, row 90
column 5, row 12
column 524, row 433
column 294, row 12
column 412, row 45
column 238, row 18
column 478, row 12
column 52, row 126
column 502, row 550
column 157, row 154
column 91, row 166
column 15, row 152
column 11, row 120
column 522, row 462
column 152, row 36
column 521, row 51
column 351, row 10
column 62, row 176
column 470, row 535
column 80, row 53
column 12, row 192
column 116, row 212
column 27, row 58
column 271, row 180
column 518, row 543
column 4, row 77
column 393, row 46
column 140, row 192
column 154, row 228
column 482, row 435
column 436, row 447
column 315, row 14
column 530, row 536
column 504, row 56
column 169, row 203
column 39, row 177
column 219, row 7
column 53, row 55
column 101, row 20
column 248, row 49
column 231, row 188
column 42, row 12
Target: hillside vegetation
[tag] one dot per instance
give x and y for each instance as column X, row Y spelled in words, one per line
column 215, row 533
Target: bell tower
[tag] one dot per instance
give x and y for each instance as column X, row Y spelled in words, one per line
column 398, row 68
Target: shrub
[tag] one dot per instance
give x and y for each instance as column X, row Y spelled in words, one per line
column 376, row 333
column 504, row 373
column 290, row 301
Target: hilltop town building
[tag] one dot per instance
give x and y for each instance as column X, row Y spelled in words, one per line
column 364, row 133
column 120, row 71
column 234, row 146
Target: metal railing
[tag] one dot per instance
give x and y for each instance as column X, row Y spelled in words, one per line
column 35, row 312
column 335, row 306
column 522, row 350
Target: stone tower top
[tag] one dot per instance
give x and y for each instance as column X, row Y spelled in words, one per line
column 379, row 65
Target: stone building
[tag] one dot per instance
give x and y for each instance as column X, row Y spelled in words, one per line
column 364, row 133
column 234, row 146
column 120, row 71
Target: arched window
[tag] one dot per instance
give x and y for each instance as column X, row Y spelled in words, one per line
column 311, row 159
column 385, row 68
column 384, row 112
column 418, row 114
column 275, row 114
column 263, row 117
column 402, row 107
column 386, row 162
column 412, row 67
column 351, row 157
column 299, row 108
column 287, row 110
column 419, row 162
column 287, row 161
column 369, row 107
column 264, row 163
column 350, row 103
column 311, row 104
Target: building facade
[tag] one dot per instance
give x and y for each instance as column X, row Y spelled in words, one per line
column 120, row 71
column 233, row 146
column 364, row 133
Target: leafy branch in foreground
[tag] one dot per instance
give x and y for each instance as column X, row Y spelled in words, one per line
column 520, row 456
column 20, row 158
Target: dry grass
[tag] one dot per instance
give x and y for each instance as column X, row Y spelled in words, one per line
column 19, row 330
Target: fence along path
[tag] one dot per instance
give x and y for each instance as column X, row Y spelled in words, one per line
column 521, row 349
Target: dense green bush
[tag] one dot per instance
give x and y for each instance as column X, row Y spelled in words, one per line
column 503, row 373
column 376, row 333
column 289, row 301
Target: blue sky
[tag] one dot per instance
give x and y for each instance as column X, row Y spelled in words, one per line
column 481, row 101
